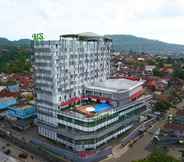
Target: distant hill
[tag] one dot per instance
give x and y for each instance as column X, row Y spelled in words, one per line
column 5, row 42
column 126, row 43
column 21, row 42
column 26, row 42
column 15, row 56
column 121, row 43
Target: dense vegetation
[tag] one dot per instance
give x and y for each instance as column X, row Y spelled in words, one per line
column 158, row 157
column 15, row 56
column 157, row 72
column 178, row 73
column 162, row 106
column 127, row 43
column 15, row 60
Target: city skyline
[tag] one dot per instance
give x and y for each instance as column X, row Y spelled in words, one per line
column 158, row 19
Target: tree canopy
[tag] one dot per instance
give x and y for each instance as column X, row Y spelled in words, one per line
column 158, row 157
column 162, row 105
column 15, row 60
column 178, row 73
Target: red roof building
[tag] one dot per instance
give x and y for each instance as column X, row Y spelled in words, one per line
column 6, row 93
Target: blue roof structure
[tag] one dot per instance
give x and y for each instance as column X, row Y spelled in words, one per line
column 102, row 107
column 5, row 102
column 13, row 87
column 24, row 112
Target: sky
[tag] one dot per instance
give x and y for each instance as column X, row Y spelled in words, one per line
column 155, row 19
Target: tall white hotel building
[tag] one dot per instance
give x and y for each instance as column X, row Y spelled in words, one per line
column 62, row 68
column 77, row 105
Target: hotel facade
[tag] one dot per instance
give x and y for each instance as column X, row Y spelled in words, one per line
column 77, row 104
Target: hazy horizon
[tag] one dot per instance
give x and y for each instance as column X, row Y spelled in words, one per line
column 154, row 19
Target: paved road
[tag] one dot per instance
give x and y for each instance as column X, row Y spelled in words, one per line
column 138, row 150
column 15, row 151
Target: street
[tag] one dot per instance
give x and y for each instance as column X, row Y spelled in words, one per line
column 137, row 151
column 15, row 152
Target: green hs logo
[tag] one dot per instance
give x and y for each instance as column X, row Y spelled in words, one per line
column 38, row 37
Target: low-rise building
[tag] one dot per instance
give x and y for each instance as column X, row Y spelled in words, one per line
column 5, row 102
column 13, row 87
column 21, row 116
column 22, row 111
column 2, row 88
column 149, row 69
column 168, row 70
column 176, row 124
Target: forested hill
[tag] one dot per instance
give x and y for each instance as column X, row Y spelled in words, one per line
column 126, row 43
column 15, row 56
column 121, row 43
column 22, row 42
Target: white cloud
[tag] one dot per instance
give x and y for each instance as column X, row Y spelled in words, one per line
column 157, row 19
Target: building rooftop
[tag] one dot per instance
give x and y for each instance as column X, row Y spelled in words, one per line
column 88, row 107
column 91, row 110
column 116, row 85
column 21, row 106
column 85, row 36
column 2, row 88
column 174, row 126
column 180, row 113
column 88, row 34
column 5, row 93
column 2, row 99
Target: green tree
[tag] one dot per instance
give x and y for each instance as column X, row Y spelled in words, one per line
column 162, row 105
column 157, row 72
column 178, row 73
column 15, row 60
column 158, row 157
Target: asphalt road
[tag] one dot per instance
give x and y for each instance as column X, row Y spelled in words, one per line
column 138, row 151
column 16, row 151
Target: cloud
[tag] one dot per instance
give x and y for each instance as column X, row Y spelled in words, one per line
column 163, row 8
column 158, row 19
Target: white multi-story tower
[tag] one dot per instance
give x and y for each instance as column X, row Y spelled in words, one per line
column 62, row 68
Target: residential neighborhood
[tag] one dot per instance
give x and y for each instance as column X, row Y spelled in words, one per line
column 92, row 81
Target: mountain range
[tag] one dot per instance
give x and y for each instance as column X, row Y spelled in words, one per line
column 22, row 42
column 125, row 43
column 121, row 43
